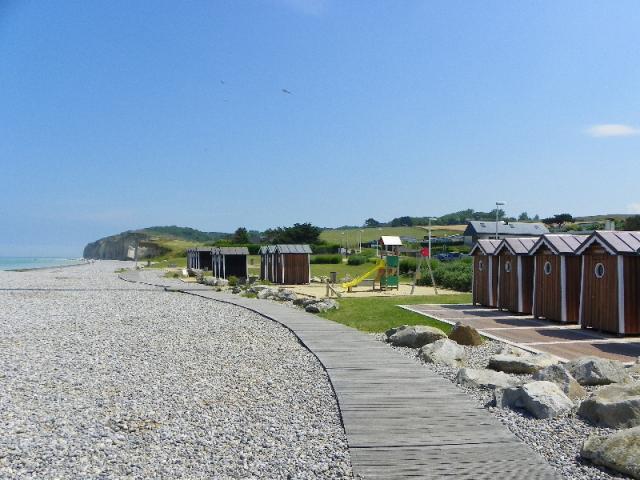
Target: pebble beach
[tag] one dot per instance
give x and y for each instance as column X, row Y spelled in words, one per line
column 102, row 378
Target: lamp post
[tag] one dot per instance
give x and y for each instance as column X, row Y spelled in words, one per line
column 498, row 205
column 360, row 242
column 344, row 248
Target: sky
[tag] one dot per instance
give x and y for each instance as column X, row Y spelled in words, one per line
column 117, row 115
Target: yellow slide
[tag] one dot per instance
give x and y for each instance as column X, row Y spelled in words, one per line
column 380, row 264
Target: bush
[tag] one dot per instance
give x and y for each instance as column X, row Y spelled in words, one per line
column 454, row 275
column 356, row 260
column 326, row 259
column 407, row 265
column 233, row 280
column 325, row 248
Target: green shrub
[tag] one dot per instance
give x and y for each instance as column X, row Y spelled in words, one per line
column 356, row 260
column 407, row 265
column 326, row 259
column 325, row 248
column 454, row 275
column 233, row 280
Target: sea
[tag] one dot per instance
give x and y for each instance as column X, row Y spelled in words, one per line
column 28, row 263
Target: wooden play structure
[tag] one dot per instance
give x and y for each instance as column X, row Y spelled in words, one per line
column 610, row 293
column 556, row 282
column 387, row 267
column 485, row 273
column 285, row 264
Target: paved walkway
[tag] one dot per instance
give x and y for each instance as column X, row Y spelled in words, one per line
column 566, row 341
column 400, row 419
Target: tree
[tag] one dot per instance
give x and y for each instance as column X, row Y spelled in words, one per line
column 558, row 219
column 371, row 222
column 240, row 236
column 298, row 233
column 402, row 222
column 523, row 217
column 536, row 218
column 632, row 223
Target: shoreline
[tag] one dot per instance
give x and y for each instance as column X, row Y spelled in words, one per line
column 48, row 267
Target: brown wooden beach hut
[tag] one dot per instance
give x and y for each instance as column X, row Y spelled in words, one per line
column 485, row 272
column 285, row 264
column 515, row 275
column 230, row 261
column 200, row 258
column 610, row 295
column 556, row 278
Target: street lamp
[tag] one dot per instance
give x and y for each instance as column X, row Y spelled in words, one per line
column 430, row 218
column 498, row 205
column 360, row 242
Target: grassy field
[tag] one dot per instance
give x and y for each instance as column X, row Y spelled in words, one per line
column 378, row 314
column 342, row 269
column 368, row 234
column 175, row 256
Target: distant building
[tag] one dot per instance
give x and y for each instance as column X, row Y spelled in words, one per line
column 477, row 230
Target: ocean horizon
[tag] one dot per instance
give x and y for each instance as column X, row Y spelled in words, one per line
column 30, row 263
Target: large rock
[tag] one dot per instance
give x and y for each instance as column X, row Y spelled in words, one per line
column 541, row 399
column 559, row 375
column 443, row 351
column 286, row 295
column 521, row 363
column 597, row 371
column 619, row 452
column 267, row 293
column 415, row 336
column 465, row 335
column 482, row 378
column 322, row 306
column 614, row 406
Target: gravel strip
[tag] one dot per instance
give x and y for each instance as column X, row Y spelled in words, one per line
column 101, row 378
column 558, row 440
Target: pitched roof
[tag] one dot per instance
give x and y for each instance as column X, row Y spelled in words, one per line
column 293, row 248
column 390, row 240
column 486, row 246
column 516, row 246
column 559, row 244
column 615, row 243
column 233, row 251
column 511, row 228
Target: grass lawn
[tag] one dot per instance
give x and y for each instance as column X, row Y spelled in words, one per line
column 378, row 314
column 353, row 235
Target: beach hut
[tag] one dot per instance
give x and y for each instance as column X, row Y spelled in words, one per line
column 230, row 261
column 515, row 274
column 485, row 272
column 200, row 258
column 556, row 278
column 610, row 293
column 286, row 264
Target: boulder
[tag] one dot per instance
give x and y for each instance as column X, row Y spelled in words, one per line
column 316, row 280
column 619, row 452
column 236, row 290
column 483, row 378
column 285, row 295
column 415, row 336
column 541, row 399
column 509, row 350
column 267, row 293
column 613, row 406
column 597, row 371
column 303, row 302
column 443, row 351
column 559, row 375
column 222, row 282
column 465, row 335
column 258, row 288
column 521, row 363
column 322, row 306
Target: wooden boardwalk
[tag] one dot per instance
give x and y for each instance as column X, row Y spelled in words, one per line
column 401, row 420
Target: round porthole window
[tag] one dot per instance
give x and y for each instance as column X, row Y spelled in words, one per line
column 481, row 265
column 599, row 270
column 507, row 266
column 547, row 268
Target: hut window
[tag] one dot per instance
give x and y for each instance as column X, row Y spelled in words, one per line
column 507, row 266
column 599, row 270
column 547, row 268
column 481, row 265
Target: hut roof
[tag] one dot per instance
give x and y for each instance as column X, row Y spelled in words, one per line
column 200, row 249
column 516, row 246
column 232, row 251
column 486, row 246
column 616, row 243
column 559, row 244
column 390, row 240
column 293, row 248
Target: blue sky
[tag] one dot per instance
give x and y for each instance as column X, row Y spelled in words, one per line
column 117, row 115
